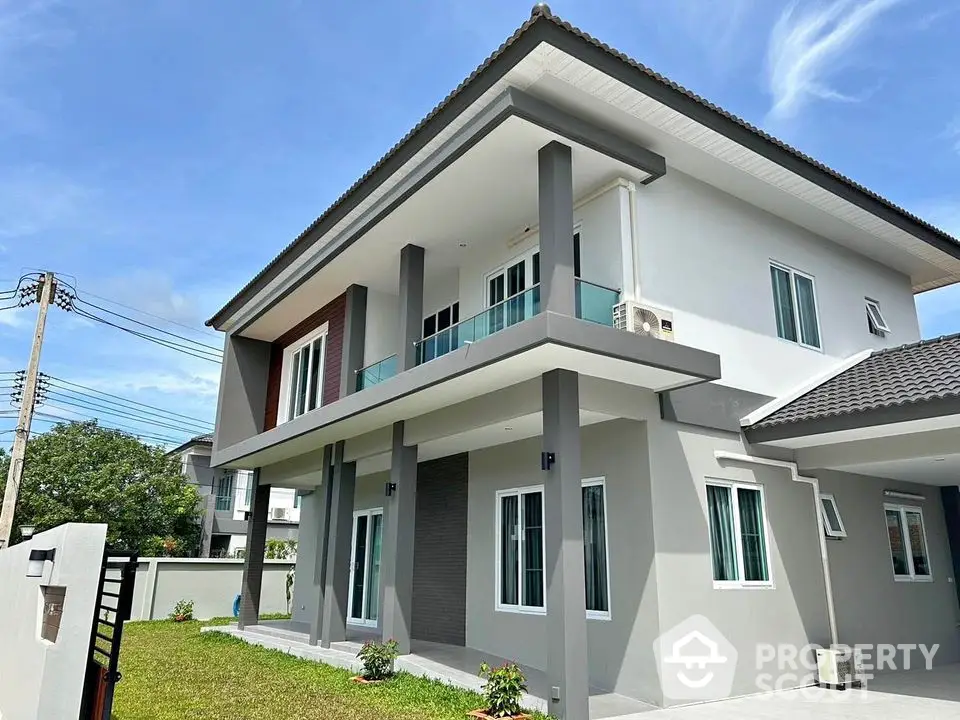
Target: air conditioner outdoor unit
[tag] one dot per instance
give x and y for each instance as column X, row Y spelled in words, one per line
column 643, row 320
column 840, row 667
column 279, row 513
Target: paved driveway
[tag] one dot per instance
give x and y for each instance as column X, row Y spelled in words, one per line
column 920, row 694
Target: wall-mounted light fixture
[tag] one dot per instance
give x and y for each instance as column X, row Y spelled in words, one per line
column 37, row 559
column 904, row 495
column 27, row 531
column 390, row 489
column 547, row 459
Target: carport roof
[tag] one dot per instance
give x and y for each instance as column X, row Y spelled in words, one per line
column 892, row 382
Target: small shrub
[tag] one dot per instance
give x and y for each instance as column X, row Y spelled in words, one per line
column 182, row 611
column 502, row 691
column 377, row 659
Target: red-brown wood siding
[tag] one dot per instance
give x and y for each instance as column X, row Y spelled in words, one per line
column 332, row 313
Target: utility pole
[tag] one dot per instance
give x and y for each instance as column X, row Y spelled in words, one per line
column 26, row 414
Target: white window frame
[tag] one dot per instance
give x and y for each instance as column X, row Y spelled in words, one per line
column 526, row 257
column 526, row 609
column 796, row 306
column 907, row 543
column 830, row 532
column 876, row 323
column 741, row 584
column 520, row 607
column 283, row 412
column 602, row 482
column 369, row 513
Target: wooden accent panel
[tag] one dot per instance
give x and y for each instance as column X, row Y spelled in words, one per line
column 332, row 313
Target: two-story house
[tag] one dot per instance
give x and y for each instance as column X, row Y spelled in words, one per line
column 584, row 355
column 225, row 498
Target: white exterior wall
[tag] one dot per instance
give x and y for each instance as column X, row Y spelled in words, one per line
column 380, row 339
column 705, row 255
column 40, row 680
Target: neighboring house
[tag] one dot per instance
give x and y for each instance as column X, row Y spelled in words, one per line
column 555, row 374
column 225, row 495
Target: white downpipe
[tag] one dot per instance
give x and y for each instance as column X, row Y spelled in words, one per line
column 634, row 239
column 797, row 477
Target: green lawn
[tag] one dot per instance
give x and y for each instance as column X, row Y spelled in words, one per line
column 171, row 671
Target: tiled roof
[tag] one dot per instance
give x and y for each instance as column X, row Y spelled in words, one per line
column 541, row 14
column 206, row 439
column 904, row 375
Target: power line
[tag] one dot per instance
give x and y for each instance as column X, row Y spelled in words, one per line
column 152, row 327
column 66, row 400
column 198, row 331
column 51, row 418
column 61, row 381
column 193, row 352
column 127, row 412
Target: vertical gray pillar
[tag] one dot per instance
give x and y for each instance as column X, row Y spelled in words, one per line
column 324, row 507
column 556, row 229
column 411, row 305
column 253, row 559
column 354, row 336
column 337, row 585
column 206, row 530
column 396, row 558
column 951, row 510
column 563, row 530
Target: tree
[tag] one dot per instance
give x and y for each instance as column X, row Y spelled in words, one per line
column 81, row 472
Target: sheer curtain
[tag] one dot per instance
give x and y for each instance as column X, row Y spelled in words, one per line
column 752, row 535
column 809, row 332
column 722, row 547
column 509, row 556
column 595, row 548
column 783, row 303
column 533, row 550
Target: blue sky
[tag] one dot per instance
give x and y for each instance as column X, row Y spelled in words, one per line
column 161, row 152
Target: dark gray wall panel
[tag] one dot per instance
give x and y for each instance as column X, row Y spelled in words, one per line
column 440, row 559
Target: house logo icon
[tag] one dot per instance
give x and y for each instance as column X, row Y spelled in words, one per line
column 695, row 661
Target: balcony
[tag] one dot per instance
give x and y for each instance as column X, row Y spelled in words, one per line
column 595, row 302
column 377, row 372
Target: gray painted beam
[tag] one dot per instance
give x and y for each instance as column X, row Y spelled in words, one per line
column 242, row 404
column 563, row 530
column 253, row 559
column 411, row 304
column 354, row 338
column 324, row 506
column 396, row 563
column 951, row 511
column 337, row 586
column 710, row 405
column 557, row 292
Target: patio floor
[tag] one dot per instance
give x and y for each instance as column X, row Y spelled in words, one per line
column 448, row 663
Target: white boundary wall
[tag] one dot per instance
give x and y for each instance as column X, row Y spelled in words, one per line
column 41, row 680
column 212, row 585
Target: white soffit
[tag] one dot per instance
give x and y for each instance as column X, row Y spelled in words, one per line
column 549, row 68
column 868, row 433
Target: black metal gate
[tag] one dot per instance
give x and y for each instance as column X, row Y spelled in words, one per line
column 114, row 602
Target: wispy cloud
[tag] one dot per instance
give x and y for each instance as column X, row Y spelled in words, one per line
column 34, row 199
column 807, row 47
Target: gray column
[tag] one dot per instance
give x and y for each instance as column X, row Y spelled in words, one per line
column 206, row 529
column 411, row 305
column 337, row 585
column 354, row 336
column 253, row 559
column 324, row 506
column 556, row 229
column 396, row 558
column 563, row 530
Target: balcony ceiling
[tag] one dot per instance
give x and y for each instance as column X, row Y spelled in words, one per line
column 488, row 194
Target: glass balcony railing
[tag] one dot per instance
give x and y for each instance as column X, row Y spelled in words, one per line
column 595, row 302
column 378, row 372
column 492, row 320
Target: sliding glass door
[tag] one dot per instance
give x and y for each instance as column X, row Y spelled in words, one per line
column 504, row 294
column 364, row 600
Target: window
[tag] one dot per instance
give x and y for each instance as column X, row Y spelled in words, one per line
column 521, row 580
column 436, row 342
column 297, row 499
column 595, row 573
column 795, row 305
column 875, row 321
column 908, row 543
column 738, row 542
column 520, row 550
column 832, row 522
column 225, row 487
column 303, row 364
column 576, row 253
